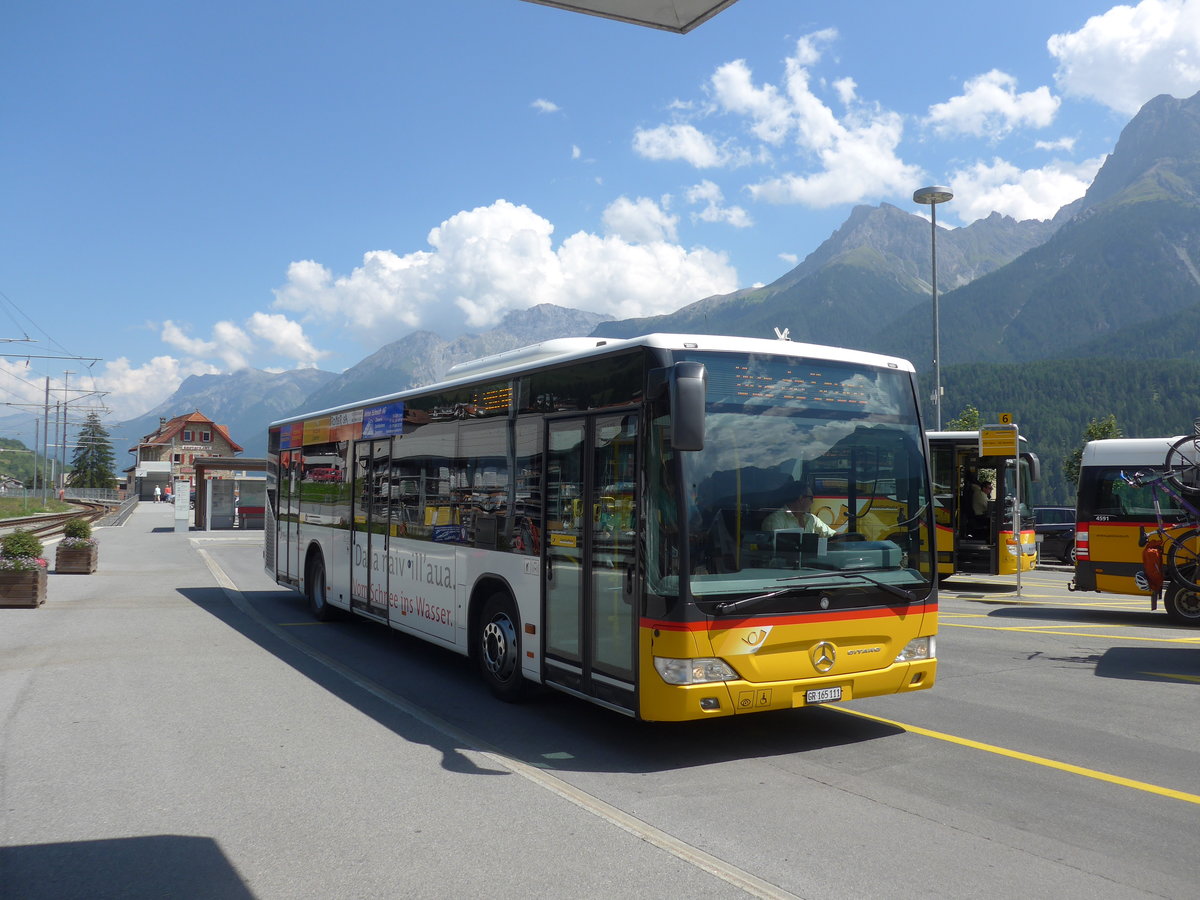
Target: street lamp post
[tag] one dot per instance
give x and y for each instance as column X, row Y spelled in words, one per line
column 932, row 196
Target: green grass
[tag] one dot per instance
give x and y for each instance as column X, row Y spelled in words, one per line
column 16, row 507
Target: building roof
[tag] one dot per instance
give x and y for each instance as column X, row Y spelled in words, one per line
column 168, row 430
column 680, row 16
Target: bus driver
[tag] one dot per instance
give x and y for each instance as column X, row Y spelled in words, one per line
column 797, row 515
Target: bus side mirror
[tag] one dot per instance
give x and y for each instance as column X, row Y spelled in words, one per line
column 1035, row 465
column 688, row 385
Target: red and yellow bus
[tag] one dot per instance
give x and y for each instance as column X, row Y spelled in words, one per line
column 588, row 514
column 982, row 543
column 1112, row 517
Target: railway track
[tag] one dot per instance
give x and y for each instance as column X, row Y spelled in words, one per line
column 51, row 525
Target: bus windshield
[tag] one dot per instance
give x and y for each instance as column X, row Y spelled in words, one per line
column 812, row 475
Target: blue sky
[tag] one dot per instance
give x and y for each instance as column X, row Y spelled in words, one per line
column 190, row 188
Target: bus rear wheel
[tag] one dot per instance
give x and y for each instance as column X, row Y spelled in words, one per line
column 316, row 589
column 1182, row 604
column 498, row 648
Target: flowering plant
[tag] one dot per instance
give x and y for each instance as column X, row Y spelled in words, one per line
column 77, row 543
column 21, row 563
column 20, row 544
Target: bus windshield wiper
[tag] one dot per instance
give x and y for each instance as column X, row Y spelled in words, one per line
column 894, row 590
column 728, row 606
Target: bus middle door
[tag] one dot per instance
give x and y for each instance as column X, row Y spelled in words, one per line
column 369, row 553
column 591, row 613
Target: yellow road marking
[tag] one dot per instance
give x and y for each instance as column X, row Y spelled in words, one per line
column 1030, row 758
column 1025, row 600
column 1195, row 678
column 1051, row 629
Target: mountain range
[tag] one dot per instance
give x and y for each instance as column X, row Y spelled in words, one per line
column 1113, row 276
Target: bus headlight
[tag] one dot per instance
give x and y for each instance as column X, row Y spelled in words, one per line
column 693, row 671
column 918, row 648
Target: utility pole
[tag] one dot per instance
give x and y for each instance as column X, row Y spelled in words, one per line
column 62, row 466
column 46, row 442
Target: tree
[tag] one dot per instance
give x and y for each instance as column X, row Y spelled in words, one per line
column 92, row 464
column 968, row 420
column 1097, row 430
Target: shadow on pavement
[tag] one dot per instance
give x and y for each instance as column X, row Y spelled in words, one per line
column 163, row 865
column 963, row 586
column 1048, row 612
column 548, row 730
column 1151, row 664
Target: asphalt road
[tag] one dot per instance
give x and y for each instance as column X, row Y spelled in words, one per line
column 1055, row 757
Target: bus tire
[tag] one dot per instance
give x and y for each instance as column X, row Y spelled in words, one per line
column 316, row 589
column 498, row 647
column 1182, row 604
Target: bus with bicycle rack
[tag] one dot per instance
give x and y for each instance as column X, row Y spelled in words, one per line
column 976, row 542
column 588, row 514
column 1131, row 489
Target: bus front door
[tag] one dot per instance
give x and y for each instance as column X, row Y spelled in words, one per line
column 591, row 557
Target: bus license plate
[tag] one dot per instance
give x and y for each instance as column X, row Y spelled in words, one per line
column 823, row 695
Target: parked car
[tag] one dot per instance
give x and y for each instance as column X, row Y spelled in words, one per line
column 1055, row 527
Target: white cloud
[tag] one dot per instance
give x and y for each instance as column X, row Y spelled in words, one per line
column 990, row 106
column 20, row 387
column 286, row 338
column 679, row 142
column 1130, row 54
column 135, row 390
column 840, row 160
column 488, row 261
column 999, row 186
column 710, row 194
column 1063, row 143
column 233, row 346
column 847, row 90
column 859, row 164
column 176, row 336
column 235, row 349
column 544, row 106
column 639, row 221
column 771, row 115
column 575, row 151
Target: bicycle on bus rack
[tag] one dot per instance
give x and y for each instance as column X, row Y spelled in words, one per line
column 1178, row 542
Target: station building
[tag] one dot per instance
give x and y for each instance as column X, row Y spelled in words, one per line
column 168, row 455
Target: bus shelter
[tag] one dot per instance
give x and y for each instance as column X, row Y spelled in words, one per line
column 230, row 493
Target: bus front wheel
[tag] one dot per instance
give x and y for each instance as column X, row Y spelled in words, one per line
column 499, row 648
column 1182, row 604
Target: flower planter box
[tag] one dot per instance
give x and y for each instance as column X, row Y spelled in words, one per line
column 75, row 562
column 23, row 588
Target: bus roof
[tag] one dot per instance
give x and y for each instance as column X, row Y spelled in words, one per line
column 1127, row 451
column 962, row 437
column 561, row 350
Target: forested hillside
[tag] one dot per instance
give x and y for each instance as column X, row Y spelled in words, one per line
column 1053, row 401
column 19, row 462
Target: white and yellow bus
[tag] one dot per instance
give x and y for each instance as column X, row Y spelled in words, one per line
column 587, row 514
column 1113, row 516
column 984, row 543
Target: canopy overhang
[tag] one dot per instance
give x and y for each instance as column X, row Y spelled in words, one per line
column 679, row 16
